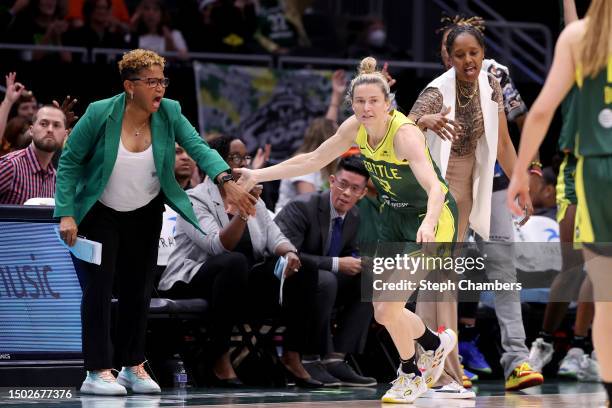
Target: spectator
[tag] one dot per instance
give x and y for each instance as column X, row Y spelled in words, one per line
column 373, row 41
column 98, row 30
column 11, row 95
column 152, row 29
column 25, row 106
column 119, row 18
column 219, row 267
column 184, row 166
column 542, row 190
column 319, row 130
column 202, row 34
column 226, row 26
column 332, row 215
column 28, row 173
column 279, row 32
column 40, row 23
column 17, row 135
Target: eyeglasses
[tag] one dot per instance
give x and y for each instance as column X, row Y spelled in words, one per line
column 238, row 159
column 343, row 186
column 153, row 82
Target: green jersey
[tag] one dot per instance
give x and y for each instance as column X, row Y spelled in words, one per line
column 594, row 112
column 404, row 200
column 396, row 183
column 567, row 136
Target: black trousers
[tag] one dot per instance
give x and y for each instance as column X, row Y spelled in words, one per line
column 129, row 254
column 237, row 292
column 353, row 316
column 298, row 309
column 222, row 281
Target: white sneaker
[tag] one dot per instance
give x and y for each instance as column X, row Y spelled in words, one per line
column 137, row 379
column 570, row 365
column 449, row 391
column 406, row 389
column 540, row 354
column 589, row 369
column 102, row 382
column 431, row 362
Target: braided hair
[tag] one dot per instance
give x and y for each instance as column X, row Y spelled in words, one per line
column 463, row 29
column 448, row 23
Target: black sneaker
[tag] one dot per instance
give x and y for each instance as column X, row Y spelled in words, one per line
column 348, row 377
column 317, row 371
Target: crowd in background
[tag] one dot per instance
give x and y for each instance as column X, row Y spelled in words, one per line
column 222, row 26
column 32, row 137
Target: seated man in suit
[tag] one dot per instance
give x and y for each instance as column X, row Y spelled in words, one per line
column 323, row 227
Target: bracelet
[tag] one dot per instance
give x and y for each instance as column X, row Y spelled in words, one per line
column 243, row 218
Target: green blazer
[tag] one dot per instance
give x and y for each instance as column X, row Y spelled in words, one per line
column 91, row 151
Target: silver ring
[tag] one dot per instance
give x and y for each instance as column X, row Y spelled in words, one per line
column 295, row 269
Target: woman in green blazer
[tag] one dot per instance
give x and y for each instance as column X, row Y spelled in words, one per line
column 115, row 174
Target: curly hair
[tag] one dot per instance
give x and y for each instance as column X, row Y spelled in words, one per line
column 135, row 60
column 222, row 144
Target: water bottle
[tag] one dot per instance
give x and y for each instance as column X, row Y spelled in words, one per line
column 278, row 342
column 180, row 376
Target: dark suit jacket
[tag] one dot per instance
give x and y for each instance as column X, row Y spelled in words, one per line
column 306, row 222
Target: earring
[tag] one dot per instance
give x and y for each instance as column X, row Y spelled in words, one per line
column 132, row 95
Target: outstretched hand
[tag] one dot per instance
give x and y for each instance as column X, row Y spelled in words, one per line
column 339, row 82
column 261, row 157
column 388, row 77
column 13, row 89
column 247, row 178
column 66, row 107
column 444, row 127
column 239, row 199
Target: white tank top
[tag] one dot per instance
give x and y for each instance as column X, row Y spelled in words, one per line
column 133, row 182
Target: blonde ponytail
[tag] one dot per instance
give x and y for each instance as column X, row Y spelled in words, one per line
column 596, row 43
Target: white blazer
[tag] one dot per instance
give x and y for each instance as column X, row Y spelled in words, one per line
column 486, row 148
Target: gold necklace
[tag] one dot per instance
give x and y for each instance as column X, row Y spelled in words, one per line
column 465, row 104
column 137, row 130
column 464, row 92
column 465, row 95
